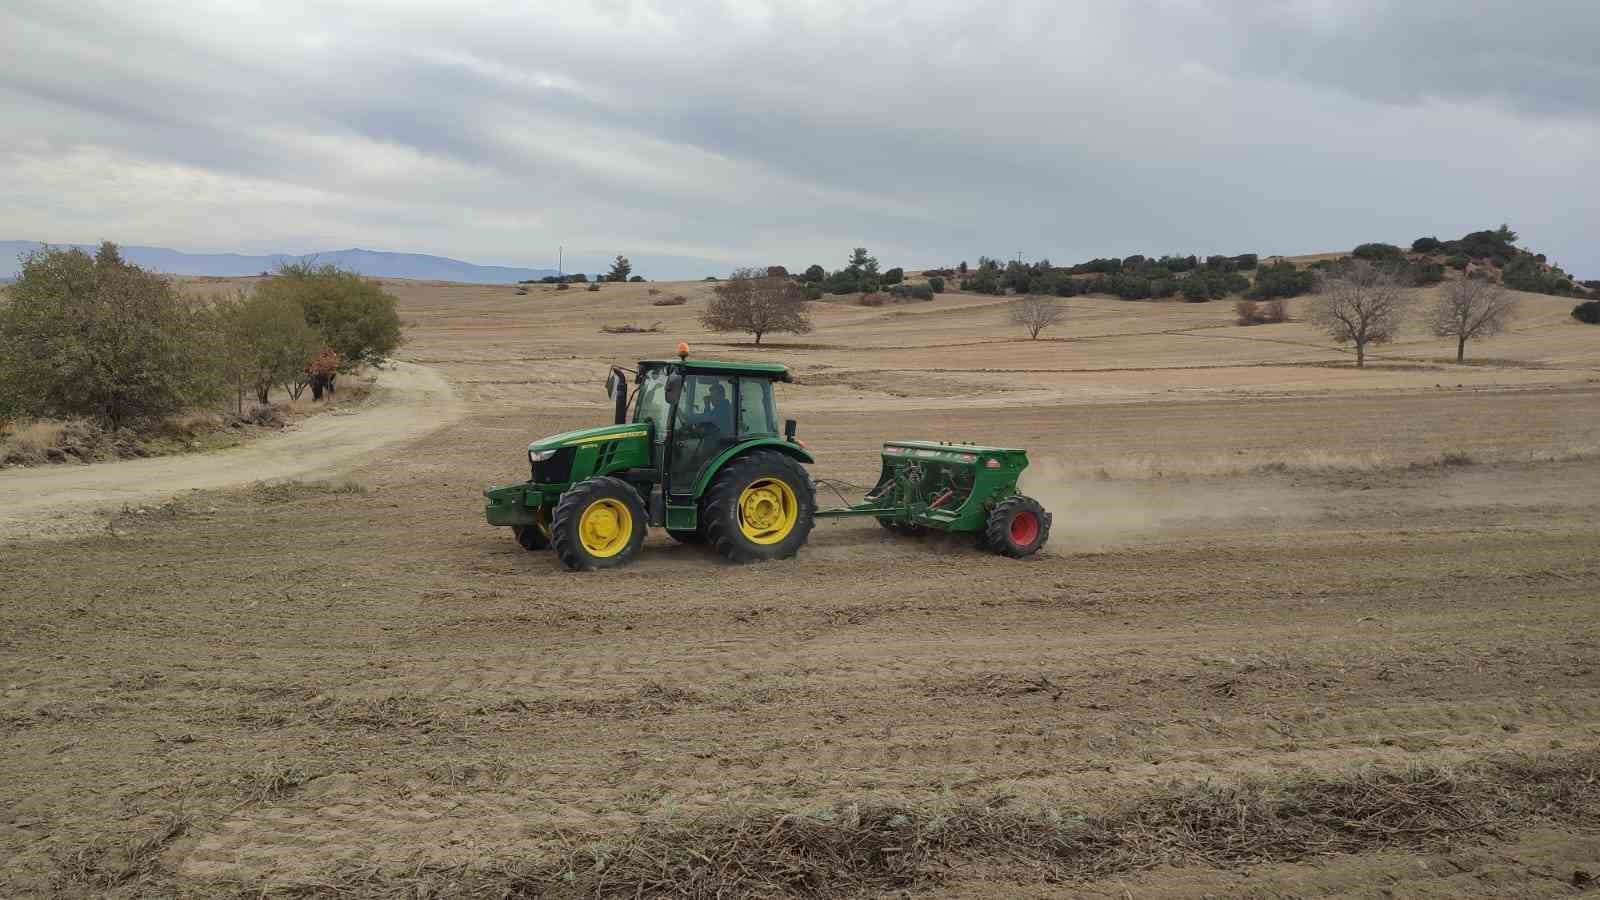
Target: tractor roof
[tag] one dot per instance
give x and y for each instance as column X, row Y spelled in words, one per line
column 776, row 371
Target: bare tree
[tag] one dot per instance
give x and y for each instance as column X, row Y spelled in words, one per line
column 1361, row 305
column 1036, row 312
column 749, row 301
column 1471, row 308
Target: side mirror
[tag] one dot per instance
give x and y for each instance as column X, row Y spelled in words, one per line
column 674, row 388
column 613, row 382
column 789, row 426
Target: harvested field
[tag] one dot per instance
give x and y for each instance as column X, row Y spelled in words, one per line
column 1301, row 630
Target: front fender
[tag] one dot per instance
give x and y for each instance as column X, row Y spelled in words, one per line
column 782, row 446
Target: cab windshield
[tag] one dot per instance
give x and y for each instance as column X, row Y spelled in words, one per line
column 651, row 406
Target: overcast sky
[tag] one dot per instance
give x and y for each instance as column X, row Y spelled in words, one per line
column 695, row 137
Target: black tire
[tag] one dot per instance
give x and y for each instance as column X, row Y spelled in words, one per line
column 580, row 498
column 531, row 537
column 686, row 537
column 720, row 513
column 1017, row 527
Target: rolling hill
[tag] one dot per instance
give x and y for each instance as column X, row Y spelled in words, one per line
column 376, row 263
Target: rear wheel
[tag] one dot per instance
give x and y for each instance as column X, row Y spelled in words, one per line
column 759, row 507
column 1017, row 527
column 599, row 524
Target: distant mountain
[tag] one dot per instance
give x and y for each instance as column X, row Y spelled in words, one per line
column 376, row 263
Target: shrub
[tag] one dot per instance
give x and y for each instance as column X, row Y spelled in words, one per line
column 355, row 316
column 894, row 276
column 811, row 292
column 1247, row 312
column 1427, row 245
column 814, row 273
column 563, row 286
column 1377, row 252
column 777, row 272
column 1424, row 272
column 103, row 339
column 1587, row 312
column 912, row 291
column 594, row 286
column 1457, row 262
column 674, row 300
column 936, row 284
column 636, row 279
column 1244, row 262
column 1281, row 279
column 873, row 299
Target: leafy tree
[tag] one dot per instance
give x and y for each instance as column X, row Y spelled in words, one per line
column 1587, row 312
column 814, row 274
column 1427, row 245
column 962, row 268
column 1035, row 313
column 936, row 284
column 269, row 344
column 753, row 303
column 861, row 263
column 894, row 276
column 1361, row 305
column 354, row 315
column 1470, row 308
column 100, row 338
column 636, row 279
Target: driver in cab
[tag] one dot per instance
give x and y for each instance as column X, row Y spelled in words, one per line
column 716, row 413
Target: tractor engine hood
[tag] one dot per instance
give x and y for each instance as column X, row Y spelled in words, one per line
column 589, row 436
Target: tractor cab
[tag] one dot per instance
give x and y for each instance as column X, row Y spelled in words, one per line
column 699, row 410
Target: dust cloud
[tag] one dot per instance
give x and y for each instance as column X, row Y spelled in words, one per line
column 1092, row 513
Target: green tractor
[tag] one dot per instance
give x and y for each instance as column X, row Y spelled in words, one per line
column 695, row 450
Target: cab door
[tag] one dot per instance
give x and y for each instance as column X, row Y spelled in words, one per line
column 706, row 424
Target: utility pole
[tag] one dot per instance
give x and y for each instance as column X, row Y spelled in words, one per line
column 560, row 262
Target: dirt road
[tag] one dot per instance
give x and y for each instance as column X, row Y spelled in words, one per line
column 407, row 402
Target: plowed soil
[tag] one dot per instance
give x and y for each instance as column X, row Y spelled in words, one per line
column 1266, row 566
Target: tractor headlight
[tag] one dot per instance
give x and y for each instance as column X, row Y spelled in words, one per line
column 539, row 456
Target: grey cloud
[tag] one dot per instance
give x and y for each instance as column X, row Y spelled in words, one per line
column 694, row 139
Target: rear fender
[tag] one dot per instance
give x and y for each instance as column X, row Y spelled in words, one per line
column 778, row 444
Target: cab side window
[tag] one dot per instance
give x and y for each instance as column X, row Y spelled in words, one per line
column 755, row 407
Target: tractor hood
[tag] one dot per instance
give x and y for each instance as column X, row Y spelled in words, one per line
column 590, row 436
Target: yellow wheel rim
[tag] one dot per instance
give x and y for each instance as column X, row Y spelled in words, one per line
column 768, row 510
column 605, row 528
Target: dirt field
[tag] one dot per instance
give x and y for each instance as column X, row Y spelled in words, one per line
column 1301, row 630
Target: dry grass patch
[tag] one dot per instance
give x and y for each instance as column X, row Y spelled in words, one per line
column 870, row 848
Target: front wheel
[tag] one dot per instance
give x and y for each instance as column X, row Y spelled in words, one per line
column 1017, row 527
column 536, row 536
column 759, row 507
column 599, row 524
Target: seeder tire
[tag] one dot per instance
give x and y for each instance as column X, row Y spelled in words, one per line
column 1017, row 527
column 759, row 507
column 599, row 524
